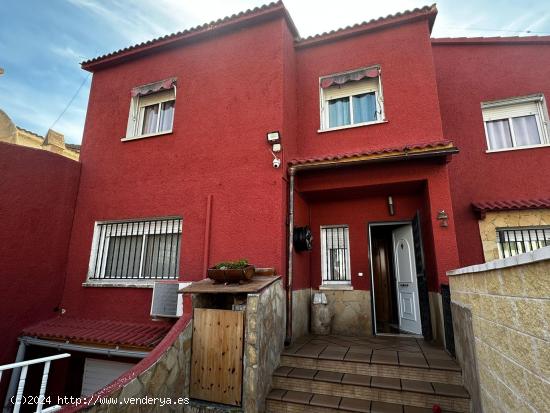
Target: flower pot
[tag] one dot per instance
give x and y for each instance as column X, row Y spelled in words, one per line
column 231, row 275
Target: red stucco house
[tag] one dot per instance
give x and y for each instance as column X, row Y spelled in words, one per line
column 362, row 163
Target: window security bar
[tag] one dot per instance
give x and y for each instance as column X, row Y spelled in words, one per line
column 514, row 241
column 136, row 250
column 335, row 254
column 24, row 365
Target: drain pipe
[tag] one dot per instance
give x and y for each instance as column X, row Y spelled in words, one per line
column 288, row 338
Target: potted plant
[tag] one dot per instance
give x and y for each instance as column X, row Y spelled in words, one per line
column 231, row 271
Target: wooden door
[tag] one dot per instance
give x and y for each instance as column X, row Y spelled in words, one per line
column 382, row 278
column 217, row 358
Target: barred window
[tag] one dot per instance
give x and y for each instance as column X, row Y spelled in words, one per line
column 514, row 241
column 136, row 250
column 335, row 263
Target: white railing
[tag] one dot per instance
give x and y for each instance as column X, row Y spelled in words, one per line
column 24, row 365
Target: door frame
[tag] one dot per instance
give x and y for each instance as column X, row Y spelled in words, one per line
column 373, row 300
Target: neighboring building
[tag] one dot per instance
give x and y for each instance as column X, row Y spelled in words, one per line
column 53, row 141
column 397, row 154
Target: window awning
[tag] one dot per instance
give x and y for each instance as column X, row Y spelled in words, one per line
column 369, row 72
column 154, row 87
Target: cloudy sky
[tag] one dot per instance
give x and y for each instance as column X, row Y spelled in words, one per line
column 42, row 42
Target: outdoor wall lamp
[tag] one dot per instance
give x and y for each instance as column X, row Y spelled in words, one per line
column 390, row 206
column 443, row 218
column 274, row 139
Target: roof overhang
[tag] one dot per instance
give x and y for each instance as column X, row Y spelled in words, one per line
column 442, row 150
column 82, row 348
column 481, row 208
column 428, row 13
column 207, row 30
column 492, row 41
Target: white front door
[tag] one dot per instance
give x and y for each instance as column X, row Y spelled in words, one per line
column 407, row 286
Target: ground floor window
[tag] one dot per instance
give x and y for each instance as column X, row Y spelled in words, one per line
column 514, row 241
column 335, row 261
column 136, row 250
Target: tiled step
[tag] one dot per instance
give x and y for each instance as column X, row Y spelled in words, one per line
column 392, row 390
column 287, row 401
column 407, row 360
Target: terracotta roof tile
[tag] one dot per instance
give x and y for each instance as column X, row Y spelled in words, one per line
column 428, row 11
column 492, row 40
column 482, row 207
column 100, row 332
column 203, row 28
column 419, row 147
column 407, row 15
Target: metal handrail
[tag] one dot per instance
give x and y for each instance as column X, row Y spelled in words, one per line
column 24, row 365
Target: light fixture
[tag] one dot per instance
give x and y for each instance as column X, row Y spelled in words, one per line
column 390, row 205
column 273, row 137
column 443, row 218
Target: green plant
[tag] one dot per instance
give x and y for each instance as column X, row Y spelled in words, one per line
column 232, row 265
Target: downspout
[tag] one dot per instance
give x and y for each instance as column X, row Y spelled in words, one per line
column 206, row 246
column 288, row 338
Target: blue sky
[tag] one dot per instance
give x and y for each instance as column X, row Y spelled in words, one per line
column 42, row 42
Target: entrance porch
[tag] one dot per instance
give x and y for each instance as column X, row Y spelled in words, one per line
column 382, row 238
column 366, row 374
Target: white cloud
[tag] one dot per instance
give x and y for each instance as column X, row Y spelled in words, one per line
column 68, row 53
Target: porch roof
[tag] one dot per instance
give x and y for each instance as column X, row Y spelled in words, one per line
column 482, row 207
column 100, row 332
column 430, row 149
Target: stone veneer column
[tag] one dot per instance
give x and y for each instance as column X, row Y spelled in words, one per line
column 264, row 342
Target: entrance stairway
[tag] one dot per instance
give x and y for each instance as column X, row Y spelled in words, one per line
column 371, row 375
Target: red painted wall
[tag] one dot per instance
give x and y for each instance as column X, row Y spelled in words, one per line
column 230, row 92
column 356, row 196
column 408, row 81
column 38, row 191
column 357, row 211
column 466, row 76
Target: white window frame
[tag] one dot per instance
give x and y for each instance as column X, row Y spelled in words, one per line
column 350, row 89
column 137, row 109
column 100, row 248
column 324, row 256
column 508, row 109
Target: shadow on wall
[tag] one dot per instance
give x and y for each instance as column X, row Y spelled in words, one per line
column 39, row 192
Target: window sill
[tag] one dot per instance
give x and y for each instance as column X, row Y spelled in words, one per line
column 357, row 125
column 117, row 284
column 338, row 287
column 518, row 148
column 150, row 135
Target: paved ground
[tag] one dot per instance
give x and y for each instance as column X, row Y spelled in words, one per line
column 391, row 350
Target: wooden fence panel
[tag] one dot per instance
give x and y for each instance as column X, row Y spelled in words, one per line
column 217, row 358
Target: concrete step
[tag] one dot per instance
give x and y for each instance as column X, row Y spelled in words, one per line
column 416, row 393
column 288, row 401
column 405, row 362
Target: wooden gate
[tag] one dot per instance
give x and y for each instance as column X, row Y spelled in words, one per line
column 217, row 358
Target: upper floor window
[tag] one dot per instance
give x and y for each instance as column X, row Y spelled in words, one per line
column 515, row 123
column 351, row 99
column 140, row 250
column 335, row 260
column 152, row 109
